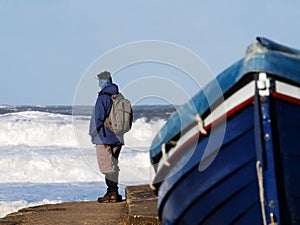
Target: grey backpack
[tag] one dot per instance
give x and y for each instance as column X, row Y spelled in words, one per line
column 120, row 116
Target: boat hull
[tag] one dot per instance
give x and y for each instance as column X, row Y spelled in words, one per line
column 227, row 191
column 287, row 157
column 235, row 159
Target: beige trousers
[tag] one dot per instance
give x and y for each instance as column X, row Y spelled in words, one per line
column 107, row 156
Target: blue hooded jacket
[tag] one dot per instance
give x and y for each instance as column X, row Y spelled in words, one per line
column 98, row 132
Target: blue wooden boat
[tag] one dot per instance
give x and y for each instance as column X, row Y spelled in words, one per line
column 231, row 154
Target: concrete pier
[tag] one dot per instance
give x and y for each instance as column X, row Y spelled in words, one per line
column 139, row 207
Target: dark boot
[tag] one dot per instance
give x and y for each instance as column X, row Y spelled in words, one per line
column 104, row 199
column 110, row 198
column 112, row 194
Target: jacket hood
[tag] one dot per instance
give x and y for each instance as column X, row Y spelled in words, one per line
column 111, row 89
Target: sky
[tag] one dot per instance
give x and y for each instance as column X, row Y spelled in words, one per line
column 48, row 47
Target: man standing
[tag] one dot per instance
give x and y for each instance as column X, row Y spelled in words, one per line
column 108, row 144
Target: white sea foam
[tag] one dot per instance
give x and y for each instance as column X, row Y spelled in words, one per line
column 40, row 147
column 35, row 129
column 142, row 133
column 43, row 166
column 43, row 129
column 14, row 206
column 69, row 166
column 51, row 148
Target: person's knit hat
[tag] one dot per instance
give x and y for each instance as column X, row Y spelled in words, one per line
column 104, row 75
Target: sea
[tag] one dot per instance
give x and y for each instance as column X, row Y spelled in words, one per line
column 46, row 155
